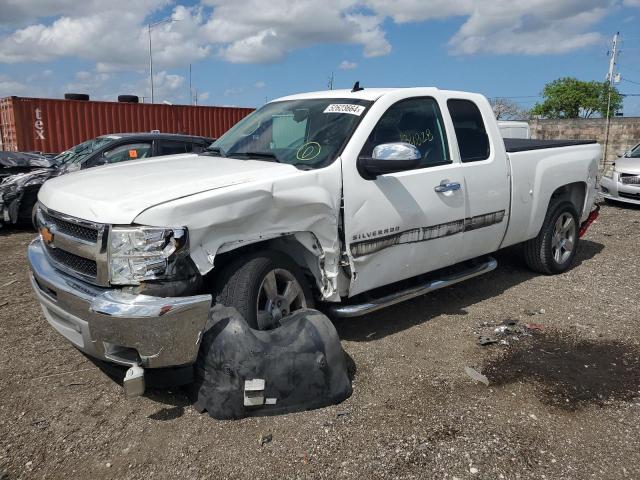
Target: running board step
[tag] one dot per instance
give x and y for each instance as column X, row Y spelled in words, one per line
column 356, row 310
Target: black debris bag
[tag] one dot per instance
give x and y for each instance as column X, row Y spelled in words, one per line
column 242, row 372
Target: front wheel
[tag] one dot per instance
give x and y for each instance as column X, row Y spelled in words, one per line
column 264, row 287
column 555, row 247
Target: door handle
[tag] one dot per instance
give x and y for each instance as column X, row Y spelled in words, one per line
column 447, row 187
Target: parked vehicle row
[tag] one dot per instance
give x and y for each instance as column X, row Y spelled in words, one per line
column 22, row 174
column 324, row 197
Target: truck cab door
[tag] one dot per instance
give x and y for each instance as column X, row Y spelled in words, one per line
column 485, row 167
column 399, row 225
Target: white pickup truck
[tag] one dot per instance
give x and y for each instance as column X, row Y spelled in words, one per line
column 317, row 198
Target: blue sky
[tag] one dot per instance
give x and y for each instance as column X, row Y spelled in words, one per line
column 245, row 51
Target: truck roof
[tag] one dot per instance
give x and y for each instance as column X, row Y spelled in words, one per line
column 364, row 94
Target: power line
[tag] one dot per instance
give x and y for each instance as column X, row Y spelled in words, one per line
column 630, row 81
column 518, row 96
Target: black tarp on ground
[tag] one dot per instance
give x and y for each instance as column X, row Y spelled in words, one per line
column 301, row 365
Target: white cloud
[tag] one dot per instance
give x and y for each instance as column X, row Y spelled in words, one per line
column 273, row 30
column 113, row 34
column 229, row 92
column 9, row 87
column 508, row 27
column 260, row 84
column 531, row 28
column 87, row 82
column 347, row 65
column 402, row 11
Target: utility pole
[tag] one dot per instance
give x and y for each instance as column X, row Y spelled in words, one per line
column 149, row 27
column 330, row 82
column 150, row 64
column 611, row 77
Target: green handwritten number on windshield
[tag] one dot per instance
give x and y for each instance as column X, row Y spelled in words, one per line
column 417, row 138
column 308, row 151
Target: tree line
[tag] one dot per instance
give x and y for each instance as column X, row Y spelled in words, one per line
column 564, row 98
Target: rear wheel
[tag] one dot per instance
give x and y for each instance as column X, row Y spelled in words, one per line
column 555, row 247
column 264, row 287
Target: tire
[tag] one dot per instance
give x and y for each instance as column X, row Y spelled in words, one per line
column 76, row 96
column 128, row 98
column 243, row 284
column 554, row 249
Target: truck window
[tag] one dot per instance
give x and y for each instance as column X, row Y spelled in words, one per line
column 172, row 147
column 131, row 151
column 308, row 132
column 416, row 121
column 473, row 140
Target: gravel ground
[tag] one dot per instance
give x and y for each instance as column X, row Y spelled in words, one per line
column 563, row 402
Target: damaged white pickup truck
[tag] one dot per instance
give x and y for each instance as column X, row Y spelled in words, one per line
column 314, row 198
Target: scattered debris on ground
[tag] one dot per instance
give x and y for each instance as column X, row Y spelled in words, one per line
column 414, row 413
column 476, row 376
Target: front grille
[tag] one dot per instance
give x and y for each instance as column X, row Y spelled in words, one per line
column 631, row 196
column 628, row 179
column 87, row 234
column 74, row 262
column 75, row 246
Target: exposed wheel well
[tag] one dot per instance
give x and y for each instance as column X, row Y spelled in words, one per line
column 288, row 245
column 572, row 192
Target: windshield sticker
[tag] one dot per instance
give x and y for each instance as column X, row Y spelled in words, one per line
column 308, row 151
column 344, row 108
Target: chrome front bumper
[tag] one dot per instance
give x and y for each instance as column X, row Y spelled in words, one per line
column 111, row 325
column 612, row 189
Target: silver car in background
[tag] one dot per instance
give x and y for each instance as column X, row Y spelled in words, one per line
column 621, row 180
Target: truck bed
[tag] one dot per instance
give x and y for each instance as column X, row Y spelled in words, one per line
column 524, row 144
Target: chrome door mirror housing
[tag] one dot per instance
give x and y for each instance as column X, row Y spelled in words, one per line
column 389, row 158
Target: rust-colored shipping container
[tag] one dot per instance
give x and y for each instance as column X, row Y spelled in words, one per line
column 52, row 126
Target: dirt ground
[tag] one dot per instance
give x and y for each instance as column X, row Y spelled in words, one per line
column 563, row 402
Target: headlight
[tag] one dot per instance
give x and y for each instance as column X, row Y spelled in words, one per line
column 608, row 172
column 137, row 254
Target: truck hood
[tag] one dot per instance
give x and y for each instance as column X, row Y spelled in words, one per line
column 628, row 165
column 117, row 194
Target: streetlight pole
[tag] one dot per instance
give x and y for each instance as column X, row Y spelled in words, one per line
column 149, row 27
column 150, row 64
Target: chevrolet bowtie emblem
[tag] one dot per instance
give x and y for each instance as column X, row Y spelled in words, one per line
column 47, row 236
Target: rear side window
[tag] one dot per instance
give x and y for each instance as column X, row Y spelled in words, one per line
column 473, row 140
column 132, row 151
column 171, row 147
column 416, row 121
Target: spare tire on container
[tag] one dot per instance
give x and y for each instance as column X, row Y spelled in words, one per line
column 76, row 96
column 128, row 98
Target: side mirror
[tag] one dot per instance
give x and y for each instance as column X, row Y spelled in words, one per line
column 620, row 154
column 389, row 158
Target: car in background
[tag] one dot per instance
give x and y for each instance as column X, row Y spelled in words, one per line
column 25, row 173
column 514, row 129
column 621, row 180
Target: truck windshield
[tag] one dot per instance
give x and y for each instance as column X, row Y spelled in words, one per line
column 80, row 152
column 307, row 133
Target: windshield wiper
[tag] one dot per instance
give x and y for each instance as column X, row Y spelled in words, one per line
column 257, row 155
